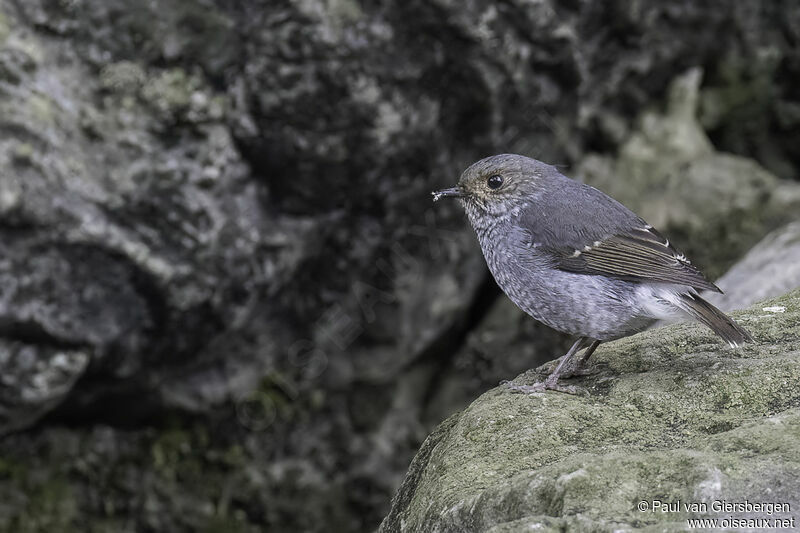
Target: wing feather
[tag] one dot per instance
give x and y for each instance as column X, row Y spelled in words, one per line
column 639, row 255
column 585, row 231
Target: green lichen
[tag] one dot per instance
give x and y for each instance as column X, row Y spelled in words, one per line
column 48, row 503
column 4, row 28
column 124, row 77
column 41, row 108
column 176, row 96
column 171, row 91
column 344, row 13
column 91, row 485
column 671, row 414
column 743, row 92
column 23, row 154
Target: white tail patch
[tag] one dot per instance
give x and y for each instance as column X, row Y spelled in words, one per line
column 661, row 301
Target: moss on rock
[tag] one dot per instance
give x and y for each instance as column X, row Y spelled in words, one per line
column 670, row 414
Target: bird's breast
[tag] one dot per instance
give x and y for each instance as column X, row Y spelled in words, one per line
column 577, row 304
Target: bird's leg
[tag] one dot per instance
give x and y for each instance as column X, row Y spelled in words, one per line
column 551, row 383
column 578, row 368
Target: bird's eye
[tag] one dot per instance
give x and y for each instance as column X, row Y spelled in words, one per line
column 495, row 181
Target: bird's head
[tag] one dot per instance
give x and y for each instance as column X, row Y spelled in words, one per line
column 497, row 185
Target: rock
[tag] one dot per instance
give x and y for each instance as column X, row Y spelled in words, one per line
column 34, row 380
column 770, row 268
column 671, row 414
column 224, row 206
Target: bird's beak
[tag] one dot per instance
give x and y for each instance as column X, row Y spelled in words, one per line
column 454, row 192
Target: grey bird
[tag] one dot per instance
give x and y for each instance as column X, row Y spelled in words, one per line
column 577, row 260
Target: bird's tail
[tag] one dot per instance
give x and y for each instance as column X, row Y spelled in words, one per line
column 722, row 324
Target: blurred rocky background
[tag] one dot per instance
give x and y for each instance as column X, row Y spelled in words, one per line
column 226, row 301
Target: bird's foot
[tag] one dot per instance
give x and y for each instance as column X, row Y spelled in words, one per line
column 578, row 372
column 575, row 368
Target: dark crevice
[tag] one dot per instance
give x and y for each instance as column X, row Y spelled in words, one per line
column 124, row 405
column 142, row 409
column 127, row 403
column 30, row 332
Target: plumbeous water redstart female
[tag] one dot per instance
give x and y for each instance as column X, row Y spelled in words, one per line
column 577, row 260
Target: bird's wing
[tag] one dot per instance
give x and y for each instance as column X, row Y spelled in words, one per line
column 591, row 233
column 639, row 254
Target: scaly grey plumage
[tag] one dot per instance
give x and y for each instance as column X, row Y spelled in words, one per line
column 576, row 259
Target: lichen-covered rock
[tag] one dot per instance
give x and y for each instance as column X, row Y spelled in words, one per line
column 34, row 380
column 134, row 228
column 670, row 414
column 224, row 207
column 770, row 268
